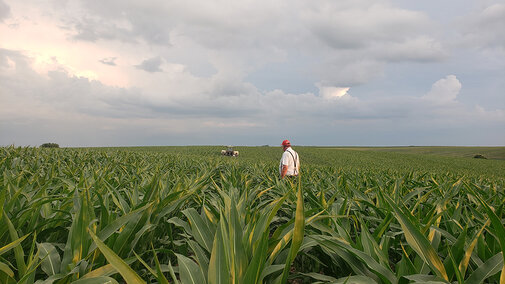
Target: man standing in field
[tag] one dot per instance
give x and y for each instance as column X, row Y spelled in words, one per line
column 290, row 164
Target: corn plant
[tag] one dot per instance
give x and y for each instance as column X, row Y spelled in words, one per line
column 188, row 215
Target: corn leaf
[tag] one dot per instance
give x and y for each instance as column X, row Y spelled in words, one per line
column 119, row 264
column 96, row 280
column 50, row 258
column 189, row 271
column 18, row 250
column 219, row 272
column 298, row 233
column 420, row 244
column 13, row 244
column 484, row 271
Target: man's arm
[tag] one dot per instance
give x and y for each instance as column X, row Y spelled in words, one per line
column 284, row 171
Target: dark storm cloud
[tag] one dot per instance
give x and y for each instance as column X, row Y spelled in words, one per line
column 151, row 65
column 108, row 61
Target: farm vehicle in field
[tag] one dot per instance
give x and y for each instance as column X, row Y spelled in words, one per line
column 229, row 152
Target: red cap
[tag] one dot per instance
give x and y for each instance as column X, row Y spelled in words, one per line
column 286, row 143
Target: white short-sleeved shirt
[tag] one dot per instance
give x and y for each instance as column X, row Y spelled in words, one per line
column 290, row 158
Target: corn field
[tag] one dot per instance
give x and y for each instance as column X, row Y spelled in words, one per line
column 139, row 216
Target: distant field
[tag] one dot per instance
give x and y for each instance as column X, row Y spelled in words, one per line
column 496, row 153
column 434, row 160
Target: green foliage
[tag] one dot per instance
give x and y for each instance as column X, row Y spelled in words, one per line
column 49, row 145
column 188, row 215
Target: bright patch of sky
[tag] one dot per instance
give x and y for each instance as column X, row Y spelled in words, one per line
column 366, row 72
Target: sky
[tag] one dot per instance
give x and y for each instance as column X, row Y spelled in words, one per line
column 326, row 72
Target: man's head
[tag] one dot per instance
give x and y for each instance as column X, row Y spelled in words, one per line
column 286, row 144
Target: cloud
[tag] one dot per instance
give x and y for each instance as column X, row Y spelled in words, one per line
column 418, row 49
column 249, row 35
column 108, row 61
column 486, row 28
column 151, row 65
column 92, row 28
column 210, row 98
column 444, row 90
column 58, row 106
column 346, row 25
column 5, row 11
column 327, row 68
column 332, row 92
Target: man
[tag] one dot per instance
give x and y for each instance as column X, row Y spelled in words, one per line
column 290, row 164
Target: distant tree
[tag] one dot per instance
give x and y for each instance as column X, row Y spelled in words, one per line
column 49, row 145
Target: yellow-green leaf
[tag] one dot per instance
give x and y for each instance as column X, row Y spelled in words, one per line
column 130, row 276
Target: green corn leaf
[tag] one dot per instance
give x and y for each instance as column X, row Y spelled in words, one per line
column 6, row 269
column 159, row 274
column 457, row 248
column 377, row 234
column 200, row 230
column 468, row 253
column 321, row 277
column 106, row 270
column 420, row 244
column 454, row 266
column 78, row 240
column 180, row 223
column 370, row 246
column 145, row 264
column 3, row 193
column 126, row 272
column 238, row 254
column 489, row 268
column 270, row 269
column 189, row 271
column 422, row 279
column 265, row 219
column 50, row 258
column 13, row 244
column 219, row 272
column 33, row 264
column 257, row 263
column 125, row 240
column 172, row 273
column 298, row 233
column 96, row 280
column 201, row 258
column 383, row 271
column 18, row 250
column 49, row 280
column 117, row 224
column 355, row 279
column 499, row 231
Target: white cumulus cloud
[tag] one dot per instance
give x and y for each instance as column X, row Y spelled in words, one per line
column 444, row 90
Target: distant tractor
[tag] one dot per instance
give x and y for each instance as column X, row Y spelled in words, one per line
column 229, row 152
